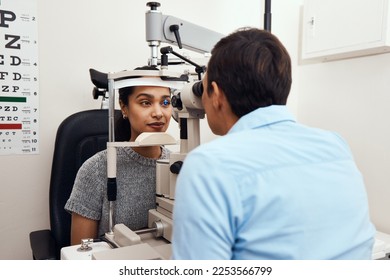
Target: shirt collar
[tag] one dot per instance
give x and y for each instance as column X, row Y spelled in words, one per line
column 262, row 117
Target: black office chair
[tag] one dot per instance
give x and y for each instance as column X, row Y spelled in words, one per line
column 79, row 136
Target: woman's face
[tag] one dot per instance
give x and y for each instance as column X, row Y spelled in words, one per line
column 149, row 110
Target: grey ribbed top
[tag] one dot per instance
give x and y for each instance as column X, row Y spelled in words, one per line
column 136, row 189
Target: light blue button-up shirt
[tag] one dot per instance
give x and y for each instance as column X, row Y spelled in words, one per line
column 271, row 189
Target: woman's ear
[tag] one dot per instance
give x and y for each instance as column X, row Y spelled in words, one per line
column 122, row 106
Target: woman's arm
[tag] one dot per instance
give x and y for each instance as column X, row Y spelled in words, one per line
column 82, row 228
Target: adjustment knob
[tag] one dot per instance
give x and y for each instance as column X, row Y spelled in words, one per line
column 153, row 5
column 176, row 166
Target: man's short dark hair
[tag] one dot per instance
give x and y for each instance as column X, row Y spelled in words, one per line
column 253, row 68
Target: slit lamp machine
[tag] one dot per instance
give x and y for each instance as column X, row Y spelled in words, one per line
column 153, row 242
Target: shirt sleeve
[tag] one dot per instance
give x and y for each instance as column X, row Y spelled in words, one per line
column 205, row 213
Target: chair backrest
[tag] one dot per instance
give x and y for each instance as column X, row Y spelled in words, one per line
column 79, row 137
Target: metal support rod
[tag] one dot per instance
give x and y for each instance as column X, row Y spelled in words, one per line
column 146, row 230
column 267, row 15
column 198, row 69
column 157, row 228
column 111, row 156
column 111, row 111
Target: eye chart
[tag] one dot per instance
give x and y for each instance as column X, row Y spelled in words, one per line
column 19, row 97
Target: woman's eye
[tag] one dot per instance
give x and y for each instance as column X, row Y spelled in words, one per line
column 166, row 102
column 145, row 103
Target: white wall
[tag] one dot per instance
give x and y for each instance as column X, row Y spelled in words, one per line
column 76, row 35
column 349, row 96
column 352, row 97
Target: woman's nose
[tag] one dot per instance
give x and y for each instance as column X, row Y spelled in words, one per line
column 157, row 113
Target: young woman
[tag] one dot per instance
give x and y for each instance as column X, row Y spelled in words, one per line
column 144, row 109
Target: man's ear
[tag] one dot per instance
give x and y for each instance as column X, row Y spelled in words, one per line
column 217, row 96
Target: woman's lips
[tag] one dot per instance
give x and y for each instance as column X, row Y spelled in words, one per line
column 156, row 125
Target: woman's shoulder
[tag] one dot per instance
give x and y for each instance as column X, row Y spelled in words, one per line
column 95, row 162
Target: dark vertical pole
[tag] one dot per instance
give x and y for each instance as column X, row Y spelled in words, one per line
column 267, row 15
